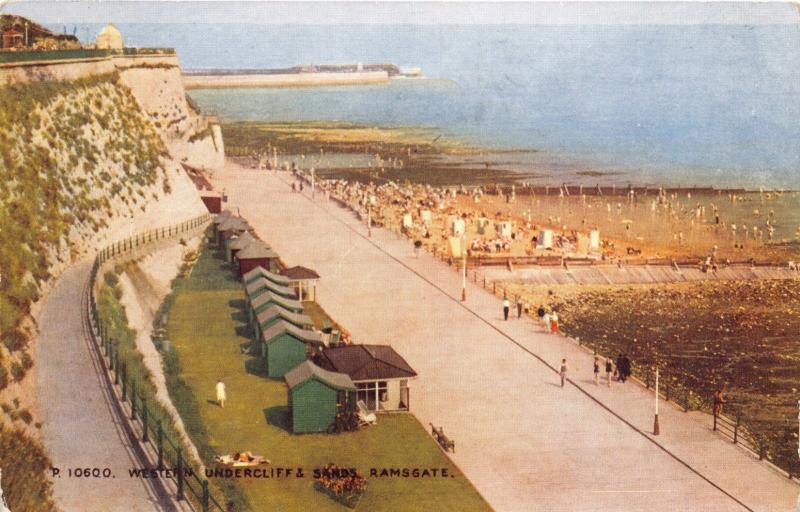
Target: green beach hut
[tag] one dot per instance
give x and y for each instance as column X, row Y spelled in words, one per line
column 229, row 228
column 266, row 299
column 284, row 346
column 266, row 274
column 262, row 285
column 315, row 396
column 272, row 314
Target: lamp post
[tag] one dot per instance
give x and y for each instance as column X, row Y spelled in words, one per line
column 464, row 268
column 656, row 430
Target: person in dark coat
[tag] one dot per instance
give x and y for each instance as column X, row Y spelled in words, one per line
column 618, row 369
column 626, row 367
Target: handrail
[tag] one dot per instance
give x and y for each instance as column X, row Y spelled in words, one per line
column 169, row 454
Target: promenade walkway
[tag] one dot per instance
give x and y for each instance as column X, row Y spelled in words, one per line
column 80, row 428
column 525, row 443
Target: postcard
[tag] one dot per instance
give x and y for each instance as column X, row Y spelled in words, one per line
column 399, row 256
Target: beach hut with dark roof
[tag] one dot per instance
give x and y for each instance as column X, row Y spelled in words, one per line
column 256, row 254
column 284, row 346
column 265, row 319
column 262, row 285
column 303, row 280
column 315, row 396
column 212, row 199
column 219, row 219
column 234, row 245
column 268, row 299
column 380, row 374
column 266, row 274
column 230, row 228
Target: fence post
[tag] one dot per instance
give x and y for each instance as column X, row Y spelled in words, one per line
column 145, row 437
column 116, row 366
column 205, row 496
column 715, row 422
column 160, row 443
column 736, row 428
column 180, row 473
column 494, row 288
column 110, row 354
column 484, row 282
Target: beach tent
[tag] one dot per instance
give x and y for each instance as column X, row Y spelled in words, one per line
column 455, row 247
column 457, row 226
column 267, row 299
column 234, row 245
column 594, row 240
column 426, row 216
column 265, row 319
column 545, row 239
column 504, row 228
column 284, row 346
column 256, row 254
column 263, row 285
column 408, row 222
column 482, row 223
column 316, row 396
column 270, row 276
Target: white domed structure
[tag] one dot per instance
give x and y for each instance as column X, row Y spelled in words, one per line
column 109, row 38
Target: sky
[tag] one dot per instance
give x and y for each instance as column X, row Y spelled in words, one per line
column 262, row 12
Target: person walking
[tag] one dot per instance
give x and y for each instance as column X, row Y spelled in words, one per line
column 506, row 308
column 563, row 371
column 596, row 370
column 625, row 371
column 719, row 399
column 221, row 396
column 609, row 370
column 618, row 368
column 519, row 307
column 554, row 323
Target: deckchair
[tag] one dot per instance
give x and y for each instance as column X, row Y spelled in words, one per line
column 364, row 416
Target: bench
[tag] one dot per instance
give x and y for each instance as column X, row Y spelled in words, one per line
column 445, row 442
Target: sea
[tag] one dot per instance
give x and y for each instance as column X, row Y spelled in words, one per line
column 688, row 105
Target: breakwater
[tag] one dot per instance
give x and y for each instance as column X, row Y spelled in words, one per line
column 198, row 81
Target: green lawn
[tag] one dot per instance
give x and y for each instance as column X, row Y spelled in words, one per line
column 210, row 341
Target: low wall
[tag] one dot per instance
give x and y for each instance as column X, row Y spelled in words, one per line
column 286, row 80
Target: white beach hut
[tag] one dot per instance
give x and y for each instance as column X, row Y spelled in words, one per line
column 545, row 239
column 457, row 226
column 594, row 240
column 504, row 228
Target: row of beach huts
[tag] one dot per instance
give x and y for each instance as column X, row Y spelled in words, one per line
column 326, row 376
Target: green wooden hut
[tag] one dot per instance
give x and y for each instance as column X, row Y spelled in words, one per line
column 234, row 245
column 219, row 219
column 272, row 314
column 266, row 300
column 284, row 346
column 263, row 285
column 266, row 274
column 315, row 396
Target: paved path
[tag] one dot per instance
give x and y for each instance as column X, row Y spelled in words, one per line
column 526, row 443
column 80, row 429
column 631, row 274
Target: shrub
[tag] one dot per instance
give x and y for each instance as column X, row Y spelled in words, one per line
column 17, row 371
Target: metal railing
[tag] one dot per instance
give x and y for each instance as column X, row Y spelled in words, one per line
column 171, row 461
column 735, row 427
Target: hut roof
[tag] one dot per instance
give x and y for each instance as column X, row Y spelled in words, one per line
column 256, row 250
column 308, row 370
column 276, row 299
column 298, row 319
column 260, row 271
column 366, row 362
column 235, row 223
column 262, row 282
column 242, row 241
column 222, row 216
column 282, row 326
column 299, row 273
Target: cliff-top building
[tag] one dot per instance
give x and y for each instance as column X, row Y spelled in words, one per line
column 109, row 38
